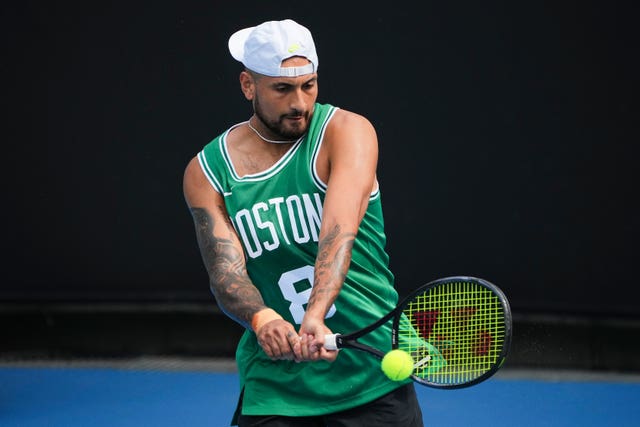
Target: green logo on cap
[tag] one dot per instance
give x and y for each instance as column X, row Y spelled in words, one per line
column 294, row 47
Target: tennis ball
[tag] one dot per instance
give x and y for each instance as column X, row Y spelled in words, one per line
column 397, row 365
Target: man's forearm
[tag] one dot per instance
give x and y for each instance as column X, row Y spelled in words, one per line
column 332, row 265
column 230, row 284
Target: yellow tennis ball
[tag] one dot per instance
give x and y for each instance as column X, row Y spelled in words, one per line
column 397, row 365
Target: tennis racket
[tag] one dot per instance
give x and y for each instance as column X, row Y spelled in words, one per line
column 457, row 329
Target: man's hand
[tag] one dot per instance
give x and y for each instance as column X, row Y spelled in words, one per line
column 279, row 340
column 312, row 332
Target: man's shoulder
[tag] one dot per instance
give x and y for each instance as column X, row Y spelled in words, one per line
column 347, row 128
column 344, row 120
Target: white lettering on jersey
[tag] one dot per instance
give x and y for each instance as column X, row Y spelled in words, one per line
column 269, row 223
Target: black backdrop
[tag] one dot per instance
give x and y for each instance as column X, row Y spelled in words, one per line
column 508, row 141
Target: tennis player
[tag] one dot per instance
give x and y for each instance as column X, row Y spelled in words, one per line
column 288, row 218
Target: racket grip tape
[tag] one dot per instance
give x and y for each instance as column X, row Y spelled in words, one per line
column 331, row 342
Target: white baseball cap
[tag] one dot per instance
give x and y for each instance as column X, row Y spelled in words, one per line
column 263, row 48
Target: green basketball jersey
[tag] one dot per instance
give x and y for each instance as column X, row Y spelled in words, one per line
column 277, row 214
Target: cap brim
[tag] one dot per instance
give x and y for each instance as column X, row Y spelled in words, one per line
column 236, row 43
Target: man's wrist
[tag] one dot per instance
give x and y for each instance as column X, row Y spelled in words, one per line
column 263, row 317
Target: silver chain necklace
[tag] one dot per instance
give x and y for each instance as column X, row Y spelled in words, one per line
column 273, row 141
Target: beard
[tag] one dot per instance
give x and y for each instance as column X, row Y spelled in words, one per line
column 277, row 127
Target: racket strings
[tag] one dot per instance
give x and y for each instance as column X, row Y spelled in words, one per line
column 454, row 331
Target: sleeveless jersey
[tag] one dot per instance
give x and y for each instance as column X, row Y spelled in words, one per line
column 277, row 215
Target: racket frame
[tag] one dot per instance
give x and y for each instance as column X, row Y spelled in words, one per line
column 338, row 341
column 506, row 309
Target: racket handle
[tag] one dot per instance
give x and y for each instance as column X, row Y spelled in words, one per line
column 330, row 341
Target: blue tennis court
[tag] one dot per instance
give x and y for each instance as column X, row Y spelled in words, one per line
column 55, row 396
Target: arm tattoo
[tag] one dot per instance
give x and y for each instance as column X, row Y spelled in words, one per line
column 230, row 283
column 332, row 265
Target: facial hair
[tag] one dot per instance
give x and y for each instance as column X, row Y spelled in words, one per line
column 276, row 127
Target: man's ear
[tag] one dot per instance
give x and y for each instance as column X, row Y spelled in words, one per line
column 247, row 85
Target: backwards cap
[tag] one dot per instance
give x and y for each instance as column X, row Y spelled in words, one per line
column 263, row 48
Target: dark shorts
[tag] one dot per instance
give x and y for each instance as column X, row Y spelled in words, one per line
column 399, row 408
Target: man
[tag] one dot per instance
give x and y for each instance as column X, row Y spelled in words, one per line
column 289, row 223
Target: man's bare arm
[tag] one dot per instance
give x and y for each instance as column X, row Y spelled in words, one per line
column 332, row 264
column 230, row 284
column 229, row 280
column 349, row 167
